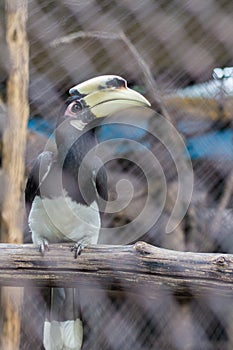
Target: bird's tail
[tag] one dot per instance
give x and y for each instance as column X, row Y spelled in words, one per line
column 63, row 329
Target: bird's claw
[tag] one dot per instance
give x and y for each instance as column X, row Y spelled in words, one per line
column 43, row 247
column 77, row 249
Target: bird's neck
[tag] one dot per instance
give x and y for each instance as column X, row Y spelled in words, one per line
column 77, row 161
column 73, row 149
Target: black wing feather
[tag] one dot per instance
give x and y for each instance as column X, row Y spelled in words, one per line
column 38, row 173
column 102, row 188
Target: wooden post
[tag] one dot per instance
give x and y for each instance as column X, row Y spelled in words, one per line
column 14, row 138
column 14, row 142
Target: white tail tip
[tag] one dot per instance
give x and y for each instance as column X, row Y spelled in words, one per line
column 67, row 335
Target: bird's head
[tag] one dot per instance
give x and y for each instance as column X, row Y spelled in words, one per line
column 99, row 97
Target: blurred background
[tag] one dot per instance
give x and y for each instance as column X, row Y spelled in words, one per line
column 179, row 55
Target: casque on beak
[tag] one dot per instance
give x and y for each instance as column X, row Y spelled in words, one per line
column 107, row 94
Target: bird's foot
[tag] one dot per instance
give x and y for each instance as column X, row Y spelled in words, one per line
column 77, row 249
column 43, row 246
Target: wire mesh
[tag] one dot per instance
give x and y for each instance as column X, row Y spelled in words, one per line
column 181, row 42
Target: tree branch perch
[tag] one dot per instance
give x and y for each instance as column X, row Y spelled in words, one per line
column 139, row 268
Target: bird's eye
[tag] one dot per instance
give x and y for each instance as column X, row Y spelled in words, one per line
column 76, row 107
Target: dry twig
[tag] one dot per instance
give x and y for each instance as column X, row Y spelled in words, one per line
column 148, row 79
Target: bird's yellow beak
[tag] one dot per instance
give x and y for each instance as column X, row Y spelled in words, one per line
column 107, row 94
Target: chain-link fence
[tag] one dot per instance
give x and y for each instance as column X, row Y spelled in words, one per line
column 167, row 51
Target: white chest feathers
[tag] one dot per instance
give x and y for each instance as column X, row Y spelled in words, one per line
column 61, row 219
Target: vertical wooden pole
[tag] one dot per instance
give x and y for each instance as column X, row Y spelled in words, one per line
column 14, row 142
column 14, row 138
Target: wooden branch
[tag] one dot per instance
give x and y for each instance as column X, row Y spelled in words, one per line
column 139, row 268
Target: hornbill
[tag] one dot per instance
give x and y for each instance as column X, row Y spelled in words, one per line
column 63, row 205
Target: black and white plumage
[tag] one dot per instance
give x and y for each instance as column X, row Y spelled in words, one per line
column 63, row 191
